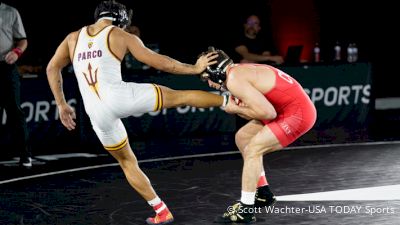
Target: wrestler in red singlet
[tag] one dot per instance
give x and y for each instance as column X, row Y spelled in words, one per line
column 279, row 112
column 296, row 113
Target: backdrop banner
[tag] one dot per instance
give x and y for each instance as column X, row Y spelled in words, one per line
column 342, row 96
column 341, row 93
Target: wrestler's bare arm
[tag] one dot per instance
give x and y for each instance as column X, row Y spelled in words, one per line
column 60, row 59
column 254, row 104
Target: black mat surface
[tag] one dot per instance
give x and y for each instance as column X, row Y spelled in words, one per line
column 199, row 189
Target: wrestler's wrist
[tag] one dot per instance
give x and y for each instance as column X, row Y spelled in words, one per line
column 61, row 103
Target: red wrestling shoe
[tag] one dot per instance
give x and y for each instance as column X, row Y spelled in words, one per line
column 163, row 215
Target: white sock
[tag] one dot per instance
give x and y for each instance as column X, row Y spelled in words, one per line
column 262, row 174
column 155, row 201
column 248, row 197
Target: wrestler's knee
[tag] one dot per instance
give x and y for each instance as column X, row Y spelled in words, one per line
column 253, row 151
column 125, row 157
column 240, row 139
column 129, row 163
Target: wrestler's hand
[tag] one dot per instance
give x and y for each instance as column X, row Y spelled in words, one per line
column 231, row 107
column 205, row 60
column 236, row 106
column 67, row 116
column 238, row 102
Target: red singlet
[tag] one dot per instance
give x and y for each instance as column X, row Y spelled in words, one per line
column 296, row 114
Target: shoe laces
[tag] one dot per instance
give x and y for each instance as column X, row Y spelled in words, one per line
column 232, row 210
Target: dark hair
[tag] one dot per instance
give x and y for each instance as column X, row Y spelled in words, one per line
column 121, row 16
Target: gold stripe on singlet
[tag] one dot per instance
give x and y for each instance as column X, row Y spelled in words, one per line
column 117, row 146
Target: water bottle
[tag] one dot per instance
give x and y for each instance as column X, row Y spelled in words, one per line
column 338, row 54
column 350, row 53
column 317, row 52
column 355, row 52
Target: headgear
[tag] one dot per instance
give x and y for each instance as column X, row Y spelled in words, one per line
column 217, row 72
column 115, row 11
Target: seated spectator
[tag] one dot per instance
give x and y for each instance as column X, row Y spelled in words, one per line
column 252, row 48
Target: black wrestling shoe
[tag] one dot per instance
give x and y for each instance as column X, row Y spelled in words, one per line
column 238, row 213
column 25, row 162
column 264, row 197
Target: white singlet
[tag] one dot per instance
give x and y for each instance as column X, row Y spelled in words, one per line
column 105, row 96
